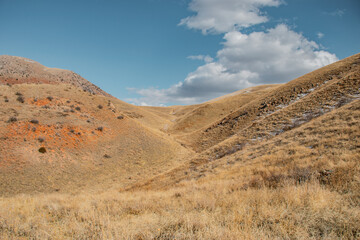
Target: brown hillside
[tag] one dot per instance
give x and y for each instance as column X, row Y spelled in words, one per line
column 208, row 112
column 89, row 140
column 312, row 93
column 268, row 162
column 264, row 118
column 17, row 70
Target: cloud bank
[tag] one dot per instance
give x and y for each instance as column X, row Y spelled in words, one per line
column 276, row 55
column 214, row 16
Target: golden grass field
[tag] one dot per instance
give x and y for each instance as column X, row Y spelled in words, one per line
column 269, row 162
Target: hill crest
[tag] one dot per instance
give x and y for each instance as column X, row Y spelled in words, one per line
column 18, row 70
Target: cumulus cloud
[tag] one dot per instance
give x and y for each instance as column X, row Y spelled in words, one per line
column 277, row 55
column 214, row 16
column 274, row 56
column 206, row 58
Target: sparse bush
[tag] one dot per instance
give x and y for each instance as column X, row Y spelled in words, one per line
column 177, row 195
column 100, row 107
column 42, row 150
column 18, row 93
column 20, row 99
column 77, row 108
column 272, row 179
column 100, row 129
column 34, row 121
column 301, row 175
column 50, row 98
column 12, row 119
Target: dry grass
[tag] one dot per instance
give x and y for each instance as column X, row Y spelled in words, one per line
column 212, row 210
column 76, row 142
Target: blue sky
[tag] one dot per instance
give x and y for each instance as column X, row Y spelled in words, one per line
column 163, row 52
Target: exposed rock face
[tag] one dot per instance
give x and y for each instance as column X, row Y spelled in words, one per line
column 17, row 70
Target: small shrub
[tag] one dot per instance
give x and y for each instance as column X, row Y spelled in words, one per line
column 18, row 93
column 6, row 100
column 120, row 117
column 50, row 98
column 77, row 108
column 42, row 150
column 41, row 139
column 12, row 119
column 107, row 156
column 34, row 121
column 301, row 175
column 100, row 107
column 20, row 99
column 272, row 179
column 100, row 129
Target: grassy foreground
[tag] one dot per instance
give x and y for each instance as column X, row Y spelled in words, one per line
column 210, row 210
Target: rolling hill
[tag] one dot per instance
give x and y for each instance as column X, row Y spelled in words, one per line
column 272, row 162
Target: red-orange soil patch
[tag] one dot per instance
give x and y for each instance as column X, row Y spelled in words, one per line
column 54, row 138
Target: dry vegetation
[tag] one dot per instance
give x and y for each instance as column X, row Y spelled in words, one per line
column 212, row 210
column 287, row 169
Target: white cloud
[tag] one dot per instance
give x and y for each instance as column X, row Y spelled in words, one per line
column 206, row 58
column 320, row 35
column 336, row 13
column 214, row 16
column 274, row 56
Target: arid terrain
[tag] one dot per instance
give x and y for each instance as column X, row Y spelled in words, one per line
column 275, row 161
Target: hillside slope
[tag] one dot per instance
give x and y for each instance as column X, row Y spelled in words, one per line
column 313, row 92
column 269, row 162
column 17, row 70
column 282, row 110
column 60, row 138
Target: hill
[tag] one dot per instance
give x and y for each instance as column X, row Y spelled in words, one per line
column 62, row 137
column 18, row 70
column 269, row 162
